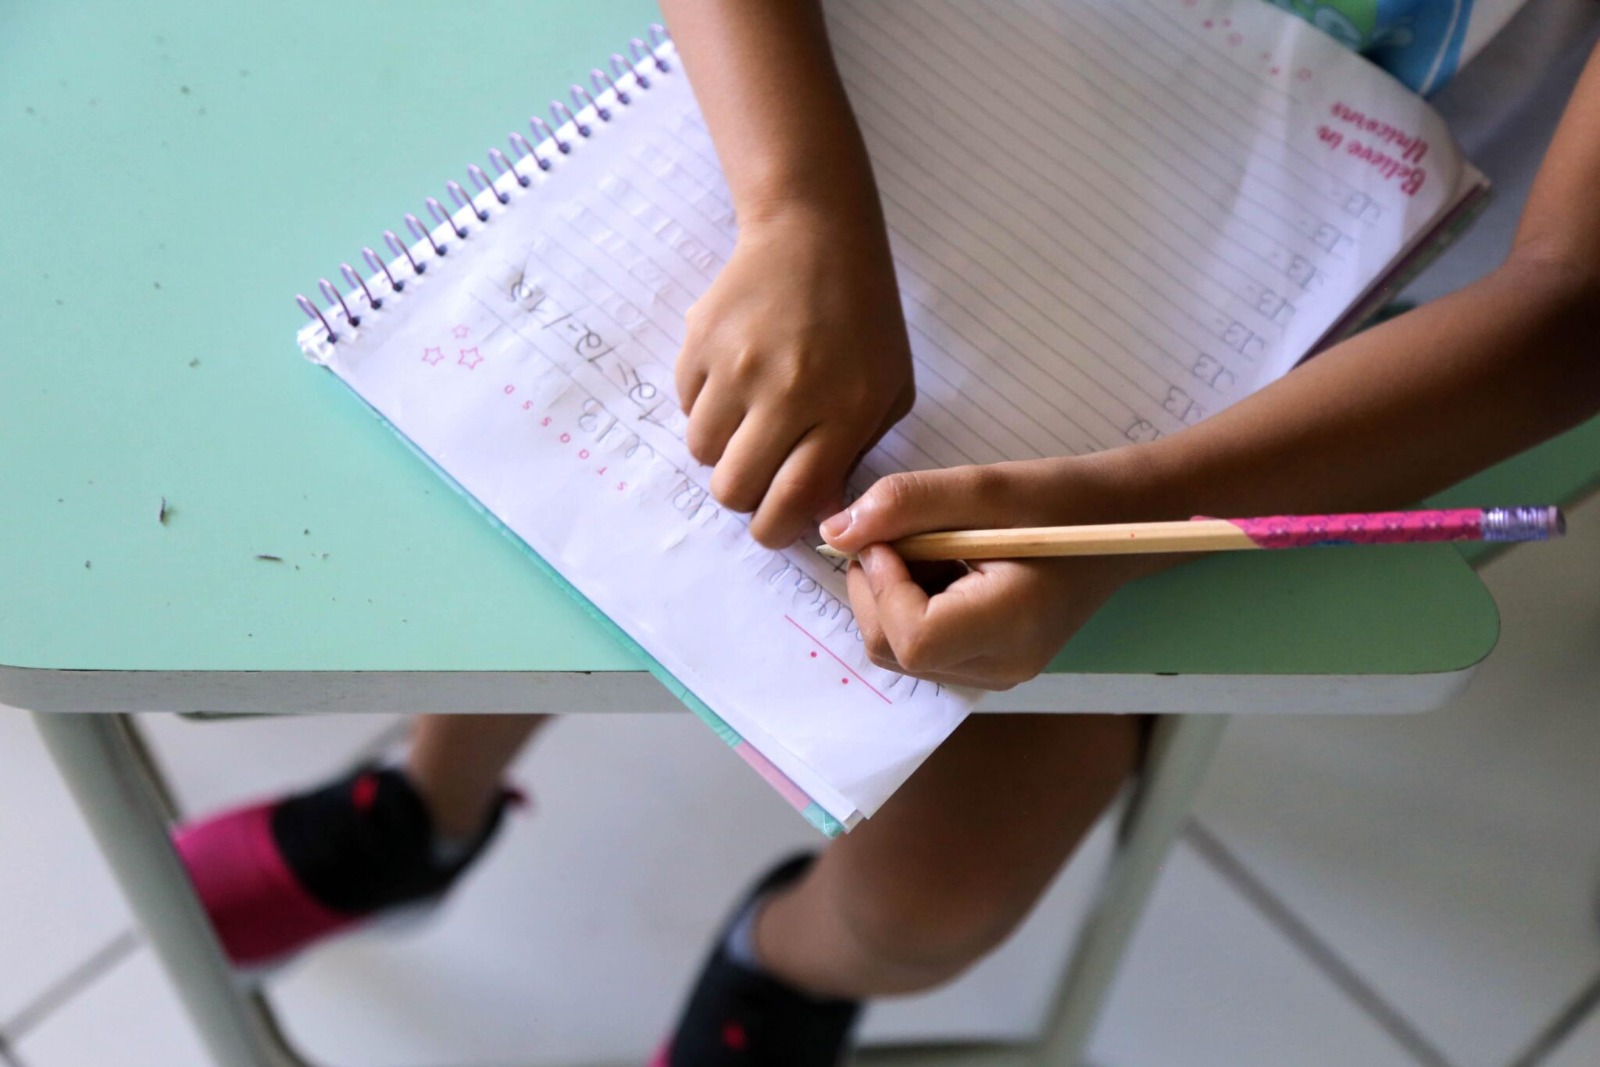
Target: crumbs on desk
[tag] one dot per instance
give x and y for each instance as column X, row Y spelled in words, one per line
column 164, row 513
column 269, row 559
column 87, row 566
column 158, row 285
column 194, row 362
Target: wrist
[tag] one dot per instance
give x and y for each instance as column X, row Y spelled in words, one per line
column 1128, row 484
column 837, row 244
column 847, row 213
column 837, row 194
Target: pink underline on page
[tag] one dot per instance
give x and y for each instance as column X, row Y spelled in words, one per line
column 841, row 662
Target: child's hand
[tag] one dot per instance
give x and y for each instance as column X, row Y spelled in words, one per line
column 795, row 363
column 1001, row 622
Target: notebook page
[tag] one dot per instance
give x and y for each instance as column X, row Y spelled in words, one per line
column 1083, row 262
column 1113, row 219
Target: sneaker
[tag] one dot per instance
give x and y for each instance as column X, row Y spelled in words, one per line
column 279, row 876
column 742, row 1017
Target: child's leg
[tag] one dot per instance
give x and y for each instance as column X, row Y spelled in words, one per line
column 953, row 861
column 457, row 763
column 279, row 875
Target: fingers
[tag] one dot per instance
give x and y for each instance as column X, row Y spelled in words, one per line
column 689, row 376
column 714, row 418
column 813, row 472
column 750, row 460
column 768, row 462
column 782, row 471
column 918, row 501
column 963, row 635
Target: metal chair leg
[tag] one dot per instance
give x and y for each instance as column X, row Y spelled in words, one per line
column 125, row 805
column 1180, row 754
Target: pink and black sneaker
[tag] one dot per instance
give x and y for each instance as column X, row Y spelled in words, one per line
column 740, row 1016
column 278, row 876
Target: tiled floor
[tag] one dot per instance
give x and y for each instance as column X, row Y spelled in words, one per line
column 1416, row 891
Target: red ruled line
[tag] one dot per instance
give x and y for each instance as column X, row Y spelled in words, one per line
column 841, row 662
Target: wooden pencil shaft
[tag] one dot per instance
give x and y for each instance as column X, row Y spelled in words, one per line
column 1127, row 538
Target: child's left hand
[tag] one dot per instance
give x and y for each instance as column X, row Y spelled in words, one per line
column 1001, row 622
column 795, row 363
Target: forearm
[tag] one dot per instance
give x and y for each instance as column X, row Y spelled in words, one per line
column 764, row 76
column 1422, row 401
column 1402, row 410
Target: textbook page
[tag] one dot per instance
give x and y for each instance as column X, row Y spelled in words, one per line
column 1109, row 220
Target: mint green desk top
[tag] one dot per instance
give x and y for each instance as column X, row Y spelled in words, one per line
column 173, row 173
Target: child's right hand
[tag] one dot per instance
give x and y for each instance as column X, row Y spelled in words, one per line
column 795, row 362
column 1000, row 623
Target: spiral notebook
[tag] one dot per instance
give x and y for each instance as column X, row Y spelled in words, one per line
column 1109, row 220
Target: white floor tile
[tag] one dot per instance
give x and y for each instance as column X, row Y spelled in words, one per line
column 574, row 942
column 1581, row 1048
column 1209, row 983
column 129, row 1017
column 1451, row 859
column 58, row 903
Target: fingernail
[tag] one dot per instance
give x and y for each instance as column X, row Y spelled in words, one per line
column 836, row 525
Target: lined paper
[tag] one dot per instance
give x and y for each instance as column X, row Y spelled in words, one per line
column 1108, row 222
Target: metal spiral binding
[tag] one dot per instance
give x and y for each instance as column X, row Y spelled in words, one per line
column 360, row 291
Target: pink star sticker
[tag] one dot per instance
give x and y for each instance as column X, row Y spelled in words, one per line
column 460, row 333
column 1208, row 24
column 469, row 358
column 432, row 355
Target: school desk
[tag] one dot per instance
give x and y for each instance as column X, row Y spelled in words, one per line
column 192, row 518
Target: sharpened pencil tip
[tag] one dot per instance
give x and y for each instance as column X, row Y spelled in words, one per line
column 830, row 552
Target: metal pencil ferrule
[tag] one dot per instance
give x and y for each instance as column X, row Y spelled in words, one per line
column 1523, row 524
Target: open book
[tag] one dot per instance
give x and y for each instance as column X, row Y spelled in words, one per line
column 1109, row 220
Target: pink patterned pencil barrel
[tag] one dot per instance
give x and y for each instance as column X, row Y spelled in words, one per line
column 1405, row 527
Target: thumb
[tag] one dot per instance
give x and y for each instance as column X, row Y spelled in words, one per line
column 919, row 502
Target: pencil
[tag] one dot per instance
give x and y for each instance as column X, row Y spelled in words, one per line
column 1202, row 534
